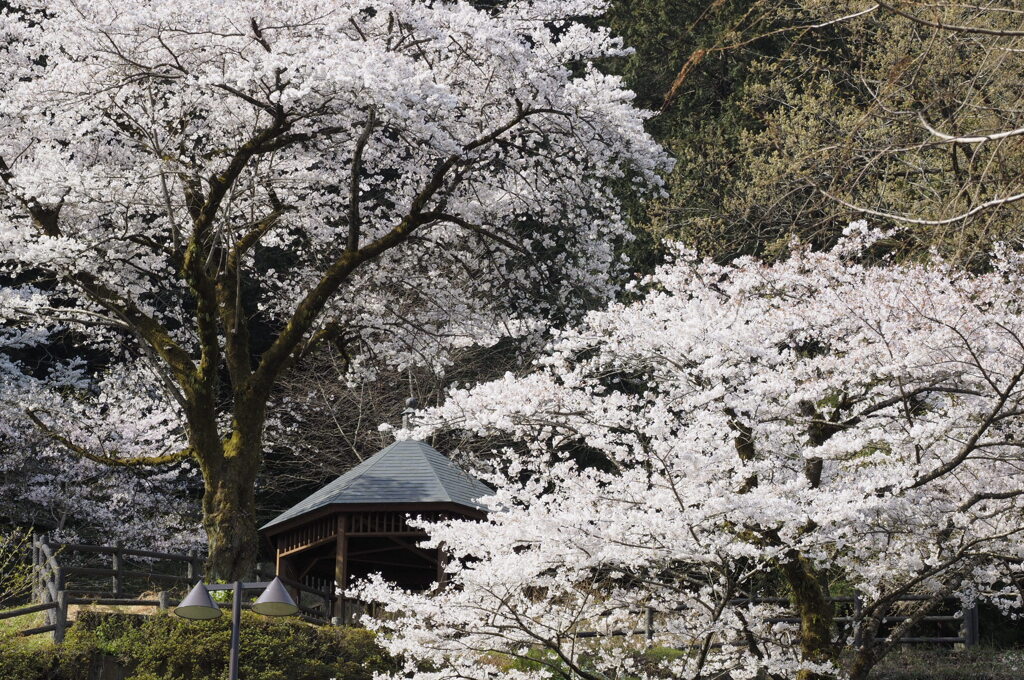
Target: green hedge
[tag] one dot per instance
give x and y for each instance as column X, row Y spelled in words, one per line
column 164, row 647
column 27, row 659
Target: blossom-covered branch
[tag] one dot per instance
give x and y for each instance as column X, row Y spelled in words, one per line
column 229, row 186
column 807, row 429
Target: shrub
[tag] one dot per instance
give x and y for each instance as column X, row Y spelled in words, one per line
column 164, row 647
column 27, row 659
column 15, row 564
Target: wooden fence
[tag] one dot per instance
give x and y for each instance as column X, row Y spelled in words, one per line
column 965, row 618
column 63, row 577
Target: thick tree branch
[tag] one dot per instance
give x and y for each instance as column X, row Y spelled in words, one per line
column 136, row 461
column 277, row 356
column 252, row 237
column 213, row 294
column 988, row 496
column 46, row 221
column 353, row 188
column 146, row 326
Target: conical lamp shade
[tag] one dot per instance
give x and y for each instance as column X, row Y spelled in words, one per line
column 198, row 605
column 275, row 601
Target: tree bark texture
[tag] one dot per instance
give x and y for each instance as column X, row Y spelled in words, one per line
column 816, row 612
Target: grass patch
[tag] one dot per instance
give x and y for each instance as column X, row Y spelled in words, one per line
column 10, row 628
column 924, row 663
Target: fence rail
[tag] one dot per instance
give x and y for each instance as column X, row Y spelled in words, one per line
column 31, row 609
column 967, row 618
column 62, row 580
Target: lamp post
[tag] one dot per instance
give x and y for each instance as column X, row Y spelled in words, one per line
column 199, row 606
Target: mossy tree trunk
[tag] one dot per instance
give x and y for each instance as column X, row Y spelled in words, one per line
column 816, row 611
column 229, row 508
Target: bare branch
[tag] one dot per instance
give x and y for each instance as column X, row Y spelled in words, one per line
column 981, row 207
column 476, row 229
column 977, row 139
column 952, row 27
column 971, row 443
column 698, row 55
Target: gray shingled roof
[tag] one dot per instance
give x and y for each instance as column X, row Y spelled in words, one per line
column 405, row 472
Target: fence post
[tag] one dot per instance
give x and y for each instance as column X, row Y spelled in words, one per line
column 117, row 566
column 62, row 617
column 969, row 629
column 194, row 570
column 36, row 595
column 649, row 623
column 164, row 600
column 858, row 612
column 53, row 616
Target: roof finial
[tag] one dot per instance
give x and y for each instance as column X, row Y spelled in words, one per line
column 410, row 410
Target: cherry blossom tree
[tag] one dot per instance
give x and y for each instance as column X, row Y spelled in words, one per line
column 811, row 428
column 78, row 500
column 194, row 196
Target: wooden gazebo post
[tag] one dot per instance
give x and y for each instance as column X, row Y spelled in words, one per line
column 341, row 568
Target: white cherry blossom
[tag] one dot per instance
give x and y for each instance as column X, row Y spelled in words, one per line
column 193, row 195
column 738, row 431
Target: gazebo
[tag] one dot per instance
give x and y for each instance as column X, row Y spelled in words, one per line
column 356, row 525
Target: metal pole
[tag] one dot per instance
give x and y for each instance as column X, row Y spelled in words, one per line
column 236, row 623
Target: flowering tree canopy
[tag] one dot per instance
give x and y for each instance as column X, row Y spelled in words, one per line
column 813, row 428
column 198, row 194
